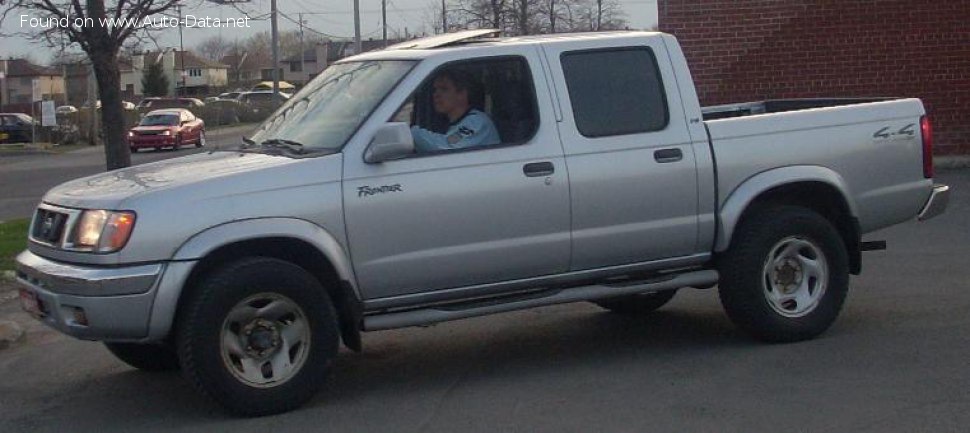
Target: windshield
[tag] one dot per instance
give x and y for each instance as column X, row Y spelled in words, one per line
column 159, row 120
column 325, row 113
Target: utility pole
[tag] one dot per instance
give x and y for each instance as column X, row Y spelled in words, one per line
column 93, row 108
column 357, row 47
column 276, row 50
column 384, row 20
column 303, row 54
column 3, row 84
column 181, row 90
column 444, row 18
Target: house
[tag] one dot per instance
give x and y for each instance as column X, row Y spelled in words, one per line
column 17, row 86
column 246, row 68
column 299, row 70
column 188, row 74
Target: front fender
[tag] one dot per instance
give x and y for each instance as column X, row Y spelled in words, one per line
column 198, row 246
column 741, row 197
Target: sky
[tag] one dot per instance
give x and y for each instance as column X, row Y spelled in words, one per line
column 331, row 17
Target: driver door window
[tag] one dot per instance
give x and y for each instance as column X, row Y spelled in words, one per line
column 502, row 89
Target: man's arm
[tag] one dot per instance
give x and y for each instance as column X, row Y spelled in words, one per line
column 475, row 130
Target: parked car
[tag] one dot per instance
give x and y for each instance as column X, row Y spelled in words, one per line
column 172, row 127
column 227, row 111
column 146, row 102
column 65, row 109
column 125, row 105
column 157, row 103
column 260, row 104
column 230, row 95
column 609, row 183
column 16, row 128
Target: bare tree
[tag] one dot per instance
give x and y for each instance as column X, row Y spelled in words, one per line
column 214, row 47
column 523, row 17
column 100, row 30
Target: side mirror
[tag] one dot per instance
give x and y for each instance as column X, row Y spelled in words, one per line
column 392, row 141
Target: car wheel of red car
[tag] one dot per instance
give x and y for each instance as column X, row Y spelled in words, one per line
column 178, row 142
column 201, row 141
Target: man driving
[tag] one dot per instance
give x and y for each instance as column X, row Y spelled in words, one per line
column 468, row 127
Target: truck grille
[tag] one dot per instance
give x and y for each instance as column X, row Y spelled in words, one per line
column 49, row 226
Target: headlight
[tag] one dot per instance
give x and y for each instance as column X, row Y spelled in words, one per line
column 167, row 132
column 131, row 133
column 103, row 231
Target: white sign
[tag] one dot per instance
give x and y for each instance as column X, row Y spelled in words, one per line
column 35, row 84
column 47, row 116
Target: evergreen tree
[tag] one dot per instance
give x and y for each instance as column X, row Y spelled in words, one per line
column 154, row 82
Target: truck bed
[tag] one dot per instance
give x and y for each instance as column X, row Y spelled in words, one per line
column 883, row 178
column 779, row 106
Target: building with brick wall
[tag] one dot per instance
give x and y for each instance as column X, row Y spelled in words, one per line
column 746, row 50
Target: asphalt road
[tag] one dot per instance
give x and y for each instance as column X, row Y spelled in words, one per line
column 895, row 361
column 24, row 178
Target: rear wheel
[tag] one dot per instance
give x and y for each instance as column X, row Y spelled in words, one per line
column 201, row 141
column 785, row 276
column 258, row 336
column 145, row 357
column 637, row 304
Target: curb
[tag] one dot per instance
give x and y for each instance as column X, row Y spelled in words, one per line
column 10, row 333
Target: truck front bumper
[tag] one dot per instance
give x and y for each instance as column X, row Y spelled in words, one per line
column 936, row 204
column 90, row 303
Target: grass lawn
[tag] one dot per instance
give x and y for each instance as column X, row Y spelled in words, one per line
column 13, row 240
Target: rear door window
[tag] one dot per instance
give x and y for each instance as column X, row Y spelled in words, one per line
column 615, row 91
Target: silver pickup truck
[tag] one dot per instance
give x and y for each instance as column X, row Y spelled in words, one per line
column 245, row 267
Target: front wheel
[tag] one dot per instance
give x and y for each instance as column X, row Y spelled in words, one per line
column 785, row 276
column 201, row 141
column 258, row 336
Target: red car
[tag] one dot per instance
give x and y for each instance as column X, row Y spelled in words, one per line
column 171, row 127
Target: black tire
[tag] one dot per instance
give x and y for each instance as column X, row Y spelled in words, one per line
column 200, row 142
column 637, row 304
column 145, row 357
column 200, row 330
column 745, row 287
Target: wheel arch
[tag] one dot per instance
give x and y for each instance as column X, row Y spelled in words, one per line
column 297, row 241
column 813, row 187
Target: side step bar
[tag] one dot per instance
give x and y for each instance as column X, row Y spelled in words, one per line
column 429, row 315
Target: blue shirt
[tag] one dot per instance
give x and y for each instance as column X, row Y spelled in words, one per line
column 473, row 129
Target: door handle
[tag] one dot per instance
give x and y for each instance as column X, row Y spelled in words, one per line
column 537, row 169
column 668, row 155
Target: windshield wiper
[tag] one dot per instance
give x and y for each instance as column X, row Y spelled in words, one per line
column 291, row 145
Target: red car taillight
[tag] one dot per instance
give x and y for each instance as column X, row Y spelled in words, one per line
column 927, row 128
